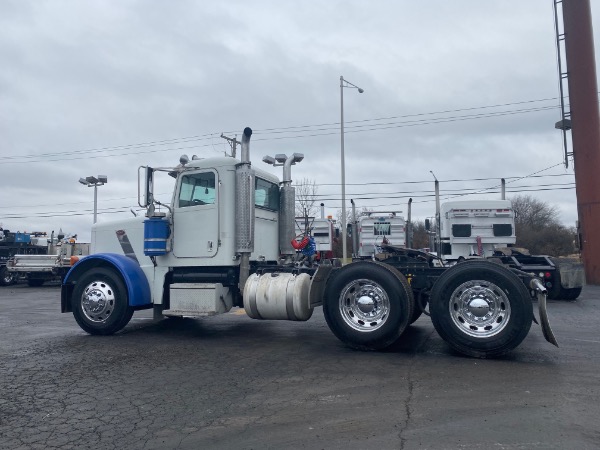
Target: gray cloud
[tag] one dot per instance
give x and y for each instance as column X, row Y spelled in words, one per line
column 81, row 76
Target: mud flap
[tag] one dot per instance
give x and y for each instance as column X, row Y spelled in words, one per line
column 318, row 284
column 545, row 323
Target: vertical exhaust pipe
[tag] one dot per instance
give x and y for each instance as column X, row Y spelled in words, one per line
column 409, row 227
column 354, row 230
column 287, row 205
column 503, row 189
column 244, row 211
column 322, row 210
column 438, row 219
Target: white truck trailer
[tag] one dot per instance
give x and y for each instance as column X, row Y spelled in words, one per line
column 224, row 241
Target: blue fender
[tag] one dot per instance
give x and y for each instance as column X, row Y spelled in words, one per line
column 138, row 289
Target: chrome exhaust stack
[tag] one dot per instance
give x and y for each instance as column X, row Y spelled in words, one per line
column 244, row 209
column 287, row 203
column 438, row 219
column 409, row 226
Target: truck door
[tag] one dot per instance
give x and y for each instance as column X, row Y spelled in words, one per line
column 196, row 216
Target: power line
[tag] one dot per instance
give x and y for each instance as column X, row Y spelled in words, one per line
column 457, row 180
column 409, row 193
column 71, row 155
column 430, row 196
column 387, row 205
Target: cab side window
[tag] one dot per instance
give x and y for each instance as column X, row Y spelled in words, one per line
column 266, row 194
column 197, row 189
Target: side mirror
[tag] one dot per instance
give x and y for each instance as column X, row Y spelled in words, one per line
column 427, row 225
column 149, row 194
column 148, row 180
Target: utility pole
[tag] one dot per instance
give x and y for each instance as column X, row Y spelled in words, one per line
column 232, row 143
column 585, row 117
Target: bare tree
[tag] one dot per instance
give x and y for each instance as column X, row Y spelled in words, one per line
column 420, row 235
column 538, row 228
column 306, row 198
column 533, row 213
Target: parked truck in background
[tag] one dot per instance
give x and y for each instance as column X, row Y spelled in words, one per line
column 37, row 257
column 36, row 269
column 18, row 243
column 471, row 229
column 321, row 230
column 224, row 240
column 377, row 228
column 475, row 228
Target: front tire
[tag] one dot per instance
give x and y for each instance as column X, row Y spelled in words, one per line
column 100, row 302
column 481, row 309
column 368, row 305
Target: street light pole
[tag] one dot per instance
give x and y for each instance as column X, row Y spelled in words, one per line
column 95, row 202
column 344, row 84
column 90, row 181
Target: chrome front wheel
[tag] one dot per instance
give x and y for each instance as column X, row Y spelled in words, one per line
column 100, row 302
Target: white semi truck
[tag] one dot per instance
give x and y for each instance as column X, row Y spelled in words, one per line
column 377, row 228
column 475, row 228
column 470, row 229
column 224, row 241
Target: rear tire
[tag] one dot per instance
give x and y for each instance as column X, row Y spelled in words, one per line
column 481, row 309
column 100, row 302
column 368, row 305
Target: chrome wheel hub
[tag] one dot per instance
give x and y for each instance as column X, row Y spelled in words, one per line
column 479, row 308
column 98, row 301
column 364, row 305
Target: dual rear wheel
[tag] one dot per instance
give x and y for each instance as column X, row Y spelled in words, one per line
column 479, row 308
column 368, row 305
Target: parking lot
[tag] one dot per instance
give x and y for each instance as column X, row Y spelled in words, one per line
column 233, row 382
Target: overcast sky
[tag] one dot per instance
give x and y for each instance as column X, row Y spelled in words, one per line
column 467, row 89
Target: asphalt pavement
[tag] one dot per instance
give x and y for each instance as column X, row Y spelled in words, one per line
column 233, row 382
